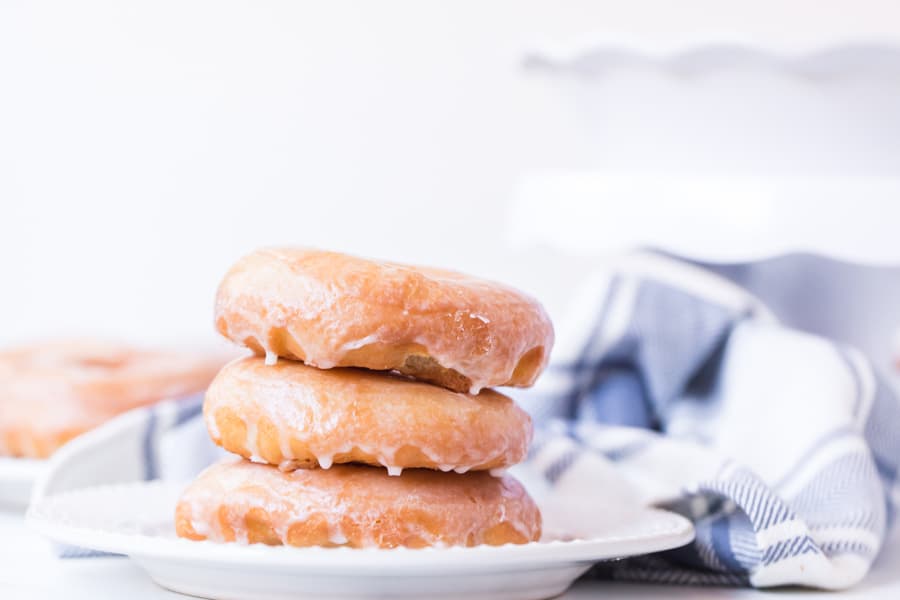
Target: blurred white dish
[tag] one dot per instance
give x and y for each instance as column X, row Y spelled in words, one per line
column 17, row 477
column 710, row 218
column 136, row 519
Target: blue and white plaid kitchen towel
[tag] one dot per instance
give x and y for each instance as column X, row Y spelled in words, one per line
column 670, row 386
column 781, row 447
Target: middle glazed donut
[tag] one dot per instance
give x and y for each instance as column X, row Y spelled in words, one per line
column 297, row 416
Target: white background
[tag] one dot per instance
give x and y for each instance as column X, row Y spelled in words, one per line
column 144, row 146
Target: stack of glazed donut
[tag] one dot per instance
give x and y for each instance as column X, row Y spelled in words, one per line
column 364, row 419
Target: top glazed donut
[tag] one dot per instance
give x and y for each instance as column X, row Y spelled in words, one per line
column 333, row 310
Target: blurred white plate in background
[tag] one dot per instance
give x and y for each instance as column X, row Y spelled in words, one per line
column 800, row 52
column 17, row 476
column 711, row 218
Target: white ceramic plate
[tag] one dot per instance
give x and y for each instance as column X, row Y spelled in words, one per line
column 17, row 477
column 137, row 520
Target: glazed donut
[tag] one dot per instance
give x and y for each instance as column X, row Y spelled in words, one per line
column 54, row 391
column 293, row 415
column 333, row 310
column 356, row 506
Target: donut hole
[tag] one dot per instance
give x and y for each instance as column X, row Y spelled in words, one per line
column 528, row 365
column 426, row 368
column 380, row 356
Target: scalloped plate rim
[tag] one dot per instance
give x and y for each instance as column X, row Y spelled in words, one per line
column 677, row 531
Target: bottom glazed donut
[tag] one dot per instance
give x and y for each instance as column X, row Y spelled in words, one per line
column 358, row 506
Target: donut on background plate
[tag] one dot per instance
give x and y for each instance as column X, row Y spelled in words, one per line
column 333, row 310
column 357, row 506
column 294, row 415
column 51, row 392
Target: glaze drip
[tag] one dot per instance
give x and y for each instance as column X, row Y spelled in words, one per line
column 355, row 506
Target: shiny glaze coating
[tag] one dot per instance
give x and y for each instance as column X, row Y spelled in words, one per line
column 330, row 310
column 356, row 506
column 293, row 415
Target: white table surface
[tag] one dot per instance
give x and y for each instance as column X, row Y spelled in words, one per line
column 29, row 571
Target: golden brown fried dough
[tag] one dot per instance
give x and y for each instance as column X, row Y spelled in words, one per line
column 333, row 310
